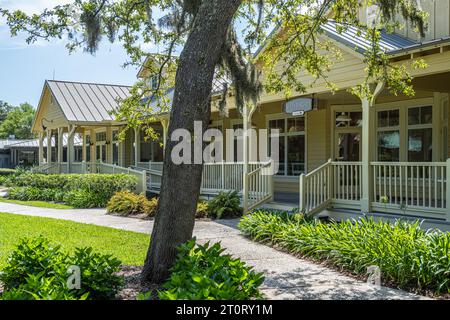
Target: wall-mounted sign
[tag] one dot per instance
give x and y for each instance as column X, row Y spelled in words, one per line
column 298, row 106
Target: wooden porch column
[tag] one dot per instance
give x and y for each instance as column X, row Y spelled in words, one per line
column 70, row 147
column 109, row 145
column 60, row 144
column 83, row 150
column 248, row 111
column 165, row 125
column 49, row 146
column 41, row 149
column 93, row 147
column 367, row 145
column 137, row 146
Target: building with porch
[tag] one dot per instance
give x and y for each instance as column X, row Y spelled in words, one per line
column 388, row 155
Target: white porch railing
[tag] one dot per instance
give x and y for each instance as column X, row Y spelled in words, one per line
column 260, row 185
column 409, row 188
column 404, row 186
column 315, row 189
column 223, row 176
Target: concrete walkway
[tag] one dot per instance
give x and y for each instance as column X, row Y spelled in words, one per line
column 286, row 276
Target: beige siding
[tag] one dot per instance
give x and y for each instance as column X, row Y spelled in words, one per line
column 345, row 72
column 316, row 138
column 50, row 114
column 129, row 149
column 438, row 21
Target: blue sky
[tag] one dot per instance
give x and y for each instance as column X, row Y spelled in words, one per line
column 24, row 68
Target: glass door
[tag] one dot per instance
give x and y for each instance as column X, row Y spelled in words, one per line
column 348, row 146
column 347, row 134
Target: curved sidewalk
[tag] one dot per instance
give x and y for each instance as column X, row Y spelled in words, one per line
column 287, row 277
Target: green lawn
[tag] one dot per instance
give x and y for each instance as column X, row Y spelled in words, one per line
column 129, row 247
column 40, row 204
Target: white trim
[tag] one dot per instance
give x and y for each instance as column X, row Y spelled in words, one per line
column 286, row 135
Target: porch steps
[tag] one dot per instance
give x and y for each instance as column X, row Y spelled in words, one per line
column 274, row 205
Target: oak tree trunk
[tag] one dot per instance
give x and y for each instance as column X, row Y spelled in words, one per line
column 174, row 221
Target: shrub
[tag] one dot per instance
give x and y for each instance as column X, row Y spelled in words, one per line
column 225, row 205
column 38, row 287
column 38, row 270
column 84, row 199
column 127, row 203
column 100, row 183
column 3, row 180
column 35, row 194
column 407, row 255
column 203, row 272
column 98, row 279
column 32, row 257
column 202, row 210
column 77, row 190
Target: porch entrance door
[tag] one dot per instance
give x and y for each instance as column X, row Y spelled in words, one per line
column 101, row 152
column 348, row 146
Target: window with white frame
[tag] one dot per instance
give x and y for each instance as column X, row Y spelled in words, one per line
column 388, row 135
column 291, row 144
column 420, row 134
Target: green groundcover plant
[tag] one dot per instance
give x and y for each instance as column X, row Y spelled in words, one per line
column 225, row 205
column 203, row 272
column 77, row 190
column 407, row 256
column 38, row 270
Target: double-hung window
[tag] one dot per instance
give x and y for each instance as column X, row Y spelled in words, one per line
column 388, row 135
column 420, row 134
column 291, row 144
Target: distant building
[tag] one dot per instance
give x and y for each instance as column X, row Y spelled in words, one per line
column 15, row 152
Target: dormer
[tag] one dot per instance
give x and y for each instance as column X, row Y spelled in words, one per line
column 438, row 20
column 150, row 69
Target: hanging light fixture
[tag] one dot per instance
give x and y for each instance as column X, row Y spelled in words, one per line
column 343, row 117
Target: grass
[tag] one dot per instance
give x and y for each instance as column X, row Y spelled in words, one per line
column 408, row 257
column 129, row 247
column 39, row 204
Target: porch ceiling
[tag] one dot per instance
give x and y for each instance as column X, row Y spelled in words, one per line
column 437, row 82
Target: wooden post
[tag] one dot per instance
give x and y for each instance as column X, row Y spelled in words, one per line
column 137, row 146
column 41, row 149
column 49, row 147
column 247, row 120
column 144, row 181
column 70, row 147
column 109, row 145
column 302, row 204
column 83, row 150
column 60, row 148
column 368, row 130
column 165, row 125
column 447, row 186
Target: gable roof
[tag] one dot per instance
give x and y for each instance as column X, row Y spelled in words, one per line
column 87, row 102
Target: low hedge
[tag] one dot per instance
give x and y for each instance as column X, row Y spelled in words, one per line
column 77, row 190
column 407, row 256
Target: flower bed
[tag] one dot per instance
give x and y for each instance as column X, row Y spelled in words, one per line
column 408, row 257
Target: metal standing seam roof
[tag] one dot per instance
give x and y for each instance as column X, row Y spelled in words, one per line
column 34, row 143
column 87, row 102
column 353, row 37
